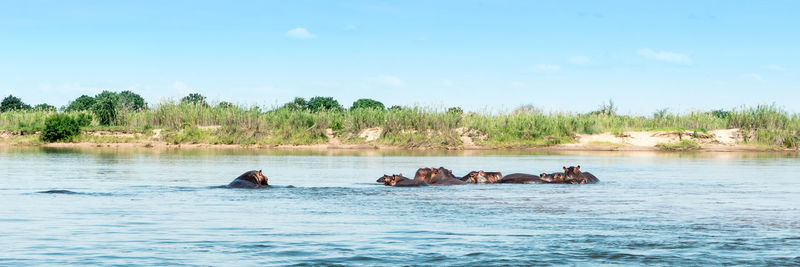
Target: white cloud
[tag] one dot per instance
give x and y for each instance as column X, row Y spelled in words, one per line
column 545, row 68
column 350, row 27
column 776, row 67
column 754, row 76
column 387, row 80
column 579, row 60
column 300, row 33
column 665, row 56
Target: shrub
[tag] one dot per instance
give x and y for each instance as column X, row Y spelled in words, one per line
column 319, row 103
column 195, row 99
column 225, row 105
column 44, row 107
column 105, row 108
column 84, row 119
column 367, row 103
column 455, row 110
column 60, row 127
column 684, row 145
column 11, row 103
column 82, row 103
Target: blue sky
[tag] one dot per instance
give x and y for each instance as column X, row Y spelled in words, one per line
column 481, row 55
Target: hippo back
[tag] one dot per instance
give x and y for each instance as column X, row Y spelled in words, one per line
column 249, row 180
column 409, row 183
column 445, row 177
column 522, row 178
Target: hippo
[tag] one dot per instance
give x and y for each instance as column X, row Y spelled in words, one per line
column 383, row 179
column 555, row 177
column 523, row 178
column 424, row 174
column 481, row 177
column 573, row 175
column 251, row 179
column 398, row 180
column 442, row 176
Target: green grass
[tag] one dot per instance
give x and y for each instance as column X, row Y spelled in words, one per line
column 419, row 126
column 685, row 145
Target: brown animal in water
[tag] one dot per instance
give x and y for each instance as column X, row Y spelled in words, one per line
column 442, row 176
column 574, row 173
column 251, row 179
column 398, row 180
column 491, row 177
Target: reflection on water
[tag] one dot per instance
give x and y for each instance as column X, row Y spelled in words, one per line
column 156, row 207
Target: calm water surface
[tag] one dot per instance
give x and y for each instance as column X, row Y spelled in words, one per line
column 161, row 207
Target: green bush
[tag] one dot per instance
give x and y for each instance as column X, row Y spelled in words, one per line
column 131, row 101
column 195, row 99
column 11, row 103
column 60, row 127
column 455, row 110
column 82, row 103
column 319, row 103
column 106, row 108
column 44, row 107
column 84, row 119
column 367, row 103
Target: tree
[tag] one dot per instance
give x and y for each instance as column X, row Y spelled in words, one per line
column 225, row 105
column 395, row 108
column 194, row 98
column 82, row 103
column 131, row 101
column 105, row 107
column 319, row 103
column 367, row 103
column 298, row 103
column 11, row 103
column 44, row 107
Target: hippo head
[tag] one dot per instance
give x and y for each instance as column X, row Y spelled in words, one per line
column 395, row 178
column 383, row 179
column 471, row 177
column 262, row 180
column 558, row 177
column 424, row 174
column 572, row 172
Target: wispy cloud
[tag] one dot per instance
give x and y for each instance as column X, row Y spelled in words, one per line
column 579, row 60
column 665, row 56
column 775, row 67
column 754, row 76
column 300, row 33
column 541, row 68
column 387, row 80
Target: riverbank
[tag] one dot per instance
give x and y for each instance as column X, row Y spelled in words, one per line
column 727, row 140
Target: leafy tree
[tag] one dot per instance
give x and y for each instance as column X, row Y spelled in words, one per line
column 81, row 103
column 105, row 107
column 131, row 101
column 319, row 103
column 720, row 113
column 455, row 110
column 194, row 98
column 298, row 103
column 60, row 127
column 44, row 107
column 11, row 103
column 367, row 103
column 395, row 108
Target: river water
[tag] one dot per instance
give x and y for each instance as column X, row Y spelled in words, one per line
column 159, row 207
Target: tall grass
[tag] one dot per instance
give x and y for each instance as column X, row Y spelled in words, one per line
column 424, row 126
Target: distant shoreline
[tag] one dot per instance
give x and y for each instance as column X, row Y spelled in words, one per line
column 715, row 141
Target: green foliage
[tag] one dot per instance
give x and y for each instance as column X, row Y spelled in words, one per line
column 684, row 145
column 455, row 110
column 318, row 103
column 722, row 114
column 11, row 103
column 195, row 99
column 298, row 103
column 131, row 101
column 44, row 107
column 105, row 108
column 607, row 109
column 82, row 103
column 367, row 103
column 395, row 108
column 60, row 127
column 84, row 119
column 225, row 105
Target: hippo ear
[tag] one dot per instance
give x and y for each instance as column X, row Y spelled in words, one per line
column 564, row 167
column 400, row 174
column 578, row 168
column 259, row 171
column 542, row 175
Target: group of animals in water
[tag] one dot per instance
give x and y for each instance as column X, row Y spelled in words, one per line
column 443, row 176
